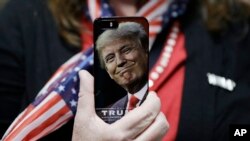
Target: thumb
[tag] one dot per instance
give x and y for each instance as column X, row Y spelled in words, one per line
column 86, row 94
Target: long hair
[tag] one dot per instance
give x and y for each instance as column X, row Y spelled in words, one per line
column 68, row 16
column 218, row 14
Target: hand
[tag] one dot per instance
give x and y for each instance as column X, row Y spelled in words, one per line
column 144, row 123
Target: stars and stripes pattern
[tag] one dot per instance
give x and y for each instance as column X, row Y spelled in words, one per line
column 157, row 12
column 56, row 103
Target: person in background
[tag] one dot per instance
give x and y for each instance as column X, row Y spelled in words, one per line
column 199, row 61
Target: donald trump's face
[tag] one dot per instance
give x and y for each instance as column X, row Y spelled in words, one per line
column 125, row 61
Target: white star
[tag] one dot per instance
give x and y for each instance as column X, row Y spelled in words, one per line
column 174, row 14
column 91, row 62
column 75, row 79
column 63, row 79
column 105, row 5
column 73, row 103
column 83, row 57
column 61, row 88
column 73, row 91
column 77, row 69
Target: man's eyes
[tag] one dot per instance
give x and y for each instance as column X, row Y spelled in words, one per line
column 109, row 59
column 126, row 50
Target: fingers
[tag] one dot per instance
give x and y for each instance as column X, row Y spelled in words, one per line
column 86, row 94
column 140, row 118
column 156, row 131
column 143, row 123
column 87, row 126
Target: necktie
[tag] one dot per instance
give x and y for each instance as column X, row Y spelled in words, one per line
column 132, row 102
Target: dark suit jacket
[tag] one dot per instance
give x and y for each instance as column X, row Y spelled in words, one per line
column 207, row 111
column 121, row 105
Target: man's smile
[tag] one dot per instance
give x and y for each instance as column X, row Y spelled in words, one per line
column 124, row 69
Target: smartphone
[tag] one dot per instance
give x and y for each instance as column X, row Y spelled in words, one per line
column 121, row 55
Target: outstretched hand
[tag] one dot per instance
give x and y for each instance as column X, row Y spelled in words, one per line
column 144, row 123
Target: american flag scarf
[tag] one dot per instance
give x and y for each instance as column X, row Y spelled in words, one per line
column 56, row 103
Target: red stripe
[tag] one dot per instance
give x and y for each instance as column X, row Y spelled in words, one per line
column 97, row 9
column 89, row 7
column 46, row 123
column 155, row 22
column 154, row 7
column 28, row 109
column 87, row 34
column 152, row 34
column 58, row 126
column 34, row 116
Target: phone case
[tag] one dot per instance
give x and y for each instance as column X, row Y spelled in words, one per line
column 120, row 65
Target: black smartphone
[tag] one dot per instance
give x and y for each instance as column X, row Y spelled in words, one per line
column 121, row 56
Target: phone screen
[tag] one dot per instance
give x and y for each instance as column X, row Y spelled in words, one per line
column 120, row 65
